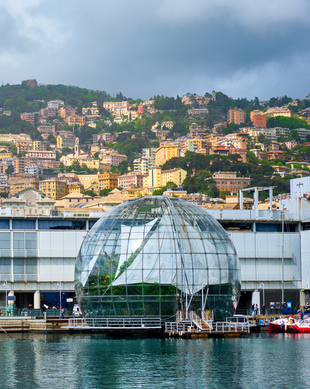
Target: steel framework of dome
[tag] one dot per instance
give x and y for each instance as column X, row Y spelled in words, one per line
column 155, row 255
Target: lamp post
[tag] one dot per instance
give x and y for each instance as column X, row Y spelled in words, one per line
column 263, row 286
column 5, row 284
column 59, row 284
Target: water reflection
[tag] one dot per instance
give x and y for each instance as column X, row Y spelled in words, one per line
column 95, row 361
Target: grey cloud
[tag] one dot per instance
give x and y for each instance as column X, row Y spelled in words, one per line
column 143, row 48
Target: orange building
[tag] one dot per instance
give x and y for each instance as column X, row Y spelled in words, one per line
column 236, row 115
column 166, row 152
column 259, row 120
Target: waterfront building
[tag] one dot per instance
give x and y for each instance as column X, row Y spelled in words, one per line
column 258, row 237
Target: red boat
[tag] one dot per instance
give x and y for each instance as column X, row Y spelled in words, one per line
column 282, row 325
column 302, row 327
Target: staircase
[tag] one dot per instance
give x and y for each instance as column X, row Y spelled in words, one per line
column 204, row 323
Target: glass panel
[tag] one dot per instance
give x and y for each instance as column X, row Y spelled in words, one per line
column 23, row 224
column 18, row 241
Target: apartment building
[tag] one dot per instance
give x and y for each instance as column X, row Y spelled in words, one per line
column 114, row 107
column 55, row 104
column 236, row 115
column 38, row 145
column 46, row 154
column 166, row 152
column 64, row 112
column 176, row 175
column 22, row 146
column 48, row 112
column 278, row 111
column 108, row 180
column 20, row 181
column 88, row 180
column 65, row 139
column 196, row 145
column 228, row 181
column 106, row 137
column 130, row 180
column 168, row 124
column 259, row 121
column 141, row 108
column 112, row 158
column 27, row 117
column 53, row 188
column 75, row 120
column 46, row 130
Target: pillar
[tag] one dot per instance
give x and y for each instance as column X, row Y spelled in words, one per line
column 302, row 297
column 36, row 300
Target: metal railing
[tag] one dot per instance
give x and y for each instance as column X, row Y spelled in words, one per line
column 223, row 326
column 175, row 327
column 115, row 323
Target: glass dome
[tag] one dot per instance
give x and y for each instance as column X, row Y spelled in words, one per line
column 155, row 255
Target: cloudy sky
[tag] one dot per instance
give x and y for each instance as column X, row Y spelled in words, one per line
column 244, row 48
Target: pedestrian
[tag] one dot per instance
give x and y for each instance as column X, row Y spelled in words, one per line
column 62, row 312
column 263, row 309
column 253, row 309
column 256, row 310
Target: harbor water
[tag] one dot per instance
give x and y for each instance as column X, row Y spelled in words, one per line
column 97, row 361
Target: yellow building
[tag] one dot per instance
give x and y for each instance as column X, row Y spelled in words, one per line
column 21, row 181
column 153, row 179
column 133, row 193
column 75, row 187
column 276, row 111
column 39, row 145
column 176, row 175
column 54, row 189
column 108, row 180
column 158, row 178
column 6, row 155
column 166, row 152
column 87, row 180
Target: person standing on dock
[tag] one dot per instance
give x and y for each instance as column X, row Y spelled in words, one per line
column 263, row 309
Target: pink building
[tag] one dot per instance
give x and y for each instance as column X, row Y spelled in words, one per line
column 107, row 137
column 130, row 180
column 290, row 144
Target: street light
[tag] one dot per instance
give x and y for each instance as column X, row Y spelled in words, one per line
column 260, row 285
column 5, row 284
column 59, row 284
